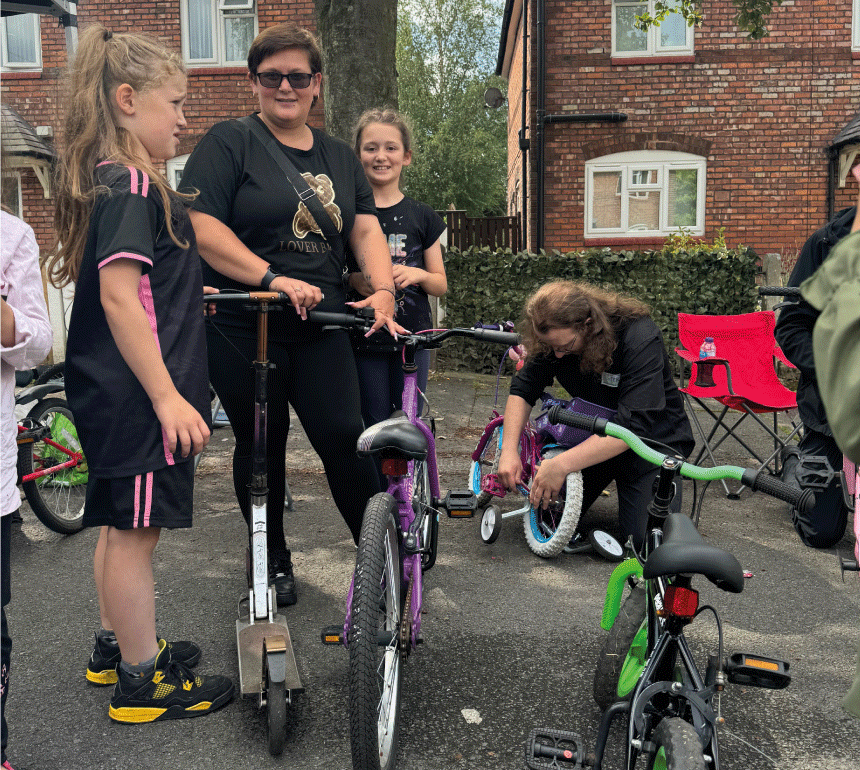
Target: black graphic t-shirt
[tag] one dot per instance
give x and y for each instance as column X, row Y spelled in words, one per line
column 638, row 383
column 114, row 417
column 410, row 227
column 242, row 186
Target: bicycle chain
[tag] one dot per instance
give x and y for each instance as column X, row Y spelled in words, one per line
column 406, row 623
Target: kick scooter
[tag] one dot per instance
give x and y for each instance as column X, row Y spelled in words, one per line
column 267, row 665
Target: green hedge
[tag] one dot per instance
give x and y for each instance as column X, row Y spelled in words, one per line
column 492, row 285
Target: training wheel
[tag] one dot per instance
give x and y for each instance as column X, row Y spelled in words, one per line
column 491, row 524
column 606, row 545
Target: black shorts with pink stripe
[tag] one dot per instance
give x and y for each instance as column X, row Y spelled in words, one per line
column 162, row 498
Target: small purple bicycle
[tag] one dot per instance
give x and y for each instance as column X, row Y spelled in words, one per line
column 548, row 531
column 397, row 544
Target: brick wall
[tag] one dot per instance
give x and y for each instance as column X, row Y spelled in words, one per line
column 214, row 93
column 761, row 112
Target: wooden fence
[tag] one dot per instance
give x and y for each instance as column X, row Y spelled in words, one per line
column 495, row 232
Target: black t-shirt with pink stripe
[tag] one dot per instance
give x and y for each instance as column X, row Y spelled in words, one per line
column 117, row 425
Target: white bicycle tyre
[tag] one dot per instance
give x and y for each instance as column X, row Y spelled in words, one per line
column 548, row 547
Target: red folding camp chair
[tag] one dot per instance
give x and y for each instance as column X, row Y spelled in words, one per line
column 742, row 377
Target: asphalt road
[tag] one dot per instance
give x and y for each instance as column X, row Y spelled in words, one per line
column 510, row 640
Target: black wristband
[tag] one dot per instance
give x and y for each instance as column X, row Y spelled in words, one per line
column 270, row 276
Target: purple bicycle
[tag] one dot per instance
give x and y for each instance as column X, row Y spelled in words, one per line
column 398, row 543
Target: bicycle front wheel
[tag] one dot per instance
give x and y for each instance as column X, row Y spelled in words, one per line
column 549, row 530
column 374, row 647
column 58, row 498
column 677, row 746
column 622, row 659
column 485, row 465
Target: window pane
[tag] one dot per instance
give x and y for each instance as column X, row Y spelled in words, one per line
column 605, row 201
column 627, row 37
column 20, row 42
column 643, row 177
column 199, row 29
column 238, row 36
column 683, row 192
column 10, row 193
column 643, row 212
column 673, row 31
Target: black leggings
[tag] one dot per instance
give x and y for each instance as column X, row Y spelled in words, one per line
column 316, row 374
column 634, row 480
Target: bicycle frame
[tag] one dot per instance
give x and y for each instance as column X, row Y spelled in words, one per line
column 529, row 446
column 670, row 686
column 41, row 433
column 666, row 646
column 401, row 489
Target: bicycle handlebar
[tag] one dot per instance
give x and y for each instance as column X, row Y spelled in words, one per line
column 359, row 320
column 791, row 292
column 758, row 481
column 247, row 296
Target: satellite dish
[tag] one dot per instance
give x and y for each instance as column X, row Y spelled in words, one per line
column 493, row 98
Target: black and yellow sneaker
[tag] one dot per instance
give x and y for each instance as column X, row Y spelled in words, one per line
column 171, row 691
column 101, row 669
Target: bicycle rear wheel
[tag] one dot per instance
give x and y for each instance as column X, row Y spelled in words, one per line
column 375, row 662
column 485, row 465
column 58, row 498
column 678, row 746
column 549, row 530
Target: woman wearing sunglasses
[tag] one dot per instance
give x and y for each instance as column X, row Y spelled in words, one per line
column 253, row 231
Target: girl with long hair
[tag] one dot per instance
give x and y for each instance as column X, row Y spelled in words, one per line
column 603, row 347
column 135, row 372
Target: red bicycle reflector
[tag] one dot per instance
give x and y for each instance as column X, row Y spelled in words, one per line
column 680, row 602
column 395, row 467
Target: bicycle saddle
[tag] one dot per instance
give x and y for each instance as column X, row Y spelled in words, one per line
column 684, row 551
column 397, row 436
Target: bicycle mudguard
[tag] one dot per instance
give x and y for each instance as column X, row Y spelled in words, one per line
column 615, row 589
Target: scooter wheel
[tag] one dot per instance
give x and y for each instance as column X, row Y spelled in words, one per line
column 606, row 545
column 491, row 524
column 276, row 716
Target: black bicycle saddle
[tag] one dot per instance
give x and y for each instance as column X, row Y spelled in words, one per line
column 395, row 435
column 684, row 551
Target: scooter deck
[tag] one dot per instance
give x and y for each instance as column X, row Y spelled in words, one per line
column 249, row 642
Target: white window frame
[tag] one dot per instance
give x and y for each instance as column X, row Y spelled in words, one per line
column 855, row 26
column 653, row 47
column 8, row 66
column 628, row 164
column 174, row 168
column 220, row 10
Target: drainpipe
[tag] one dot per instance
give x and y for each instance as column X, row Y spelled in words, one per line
column 586, row 117
column 539, row 116
column 832, row 173
column 524, row 142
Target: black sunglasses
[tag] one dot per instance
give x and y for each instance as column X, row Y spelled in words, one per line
column 274, row 79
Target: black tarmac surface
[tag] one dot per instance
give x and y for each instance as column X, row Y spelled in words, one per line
column 510, row 640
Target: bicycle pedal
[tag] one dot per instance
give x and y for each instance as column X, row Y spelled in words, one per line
column 758, row 671
column 332, row 635
column 460, row 503
column 554, row 749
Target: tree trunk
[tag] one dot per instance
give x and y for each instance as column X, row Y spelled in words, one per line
column 358, row 39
